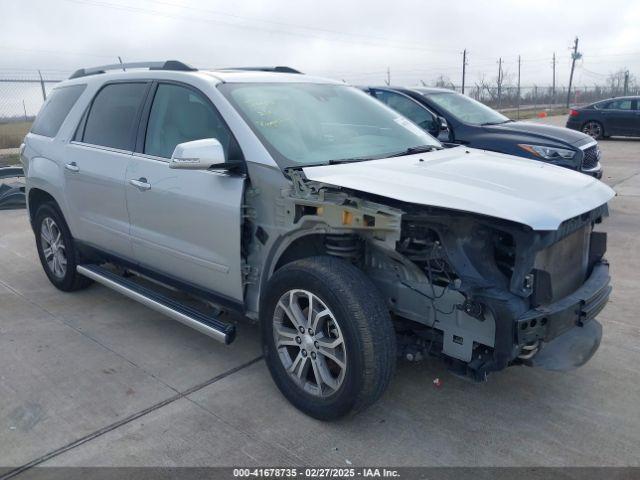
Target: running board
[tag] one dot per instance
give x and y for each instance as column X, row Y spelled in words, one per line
column 211, row 326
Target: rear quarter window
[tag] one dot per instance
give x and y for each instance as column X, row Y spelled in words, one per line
column 56, row 109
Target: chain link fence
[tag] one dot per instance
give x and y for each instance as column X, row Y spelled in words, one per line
column 508, row 98
column 21, row 97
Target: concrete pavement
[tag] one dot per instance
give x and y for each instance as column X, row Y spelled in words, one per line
column 93, row 379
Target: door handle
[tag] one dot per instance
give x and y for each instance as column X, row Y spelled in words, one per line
column 72, row 167
column 140, row 184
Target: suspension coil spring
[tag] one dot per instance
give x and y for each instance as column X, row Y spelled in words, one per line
column 529, row 350
column 344, row 246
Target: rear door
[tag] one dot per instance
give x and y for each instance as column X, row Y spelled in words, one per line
column 96, row 163
column 619, row 117
column 185, row 224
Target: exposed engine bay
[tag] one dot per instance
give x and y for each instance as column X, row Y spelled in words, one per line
column 480, row 292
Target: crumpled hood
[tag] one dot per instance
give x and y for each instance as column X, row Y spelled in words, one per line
column 542, row 132
column 533, row 193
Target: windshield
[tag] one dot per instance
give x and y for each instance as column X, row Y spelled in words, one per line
column 466, row 109
column 305, row 124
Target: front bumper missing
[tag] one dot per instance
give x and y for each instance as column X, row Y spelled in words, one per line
column 567, row 331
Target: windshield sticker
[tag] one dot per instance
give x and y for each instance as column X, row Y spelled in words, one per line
column 412, row 127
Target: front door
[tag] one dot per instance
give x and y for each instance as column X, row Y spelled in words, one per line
column 636, row 122
column 186, row 224
column 619, row 117
column 95, row 165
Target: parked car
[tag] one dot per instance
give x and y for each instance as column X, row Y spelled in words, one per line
column 346, row 232
column 458, row 119
column 615, row 116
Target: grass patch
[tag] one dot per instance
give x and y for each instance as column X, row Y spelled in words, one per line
column 12, row 134
column 8, row 160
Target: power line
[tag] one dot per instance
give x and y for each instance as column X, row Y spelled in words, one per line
column 383, row 43
column 278, row 23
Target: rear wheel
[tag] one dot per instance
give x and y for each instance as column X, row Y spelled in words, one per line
column 56, row 249
column 327, row 336
column 593, row 129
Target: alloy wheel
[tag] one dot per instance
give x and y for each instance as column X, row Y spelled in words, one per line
column 592, row 129
column 310, row 343
column 53, row 247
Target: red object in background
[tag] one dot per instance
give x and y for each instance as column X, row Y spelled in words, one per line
column 542, row 114
column 573, row 113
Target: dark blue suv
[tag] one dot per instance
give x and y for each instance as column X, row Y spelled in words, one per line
column 457, row 119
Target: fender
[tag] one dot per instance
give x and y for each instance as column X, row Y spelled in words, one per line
column 46, row 175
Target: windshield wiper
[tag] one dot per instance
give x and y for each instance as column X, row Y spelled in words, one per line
column 418, row 149
column 496, row 123
column 351, row 160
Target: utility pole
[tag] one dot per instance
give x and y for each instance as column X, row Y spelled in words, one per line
column 575, row 55
column 553, row 88
column 388, row 80
column 499, row 81
column 464, row 67
column 626, row 82
column 519, row 87
column 24, row 107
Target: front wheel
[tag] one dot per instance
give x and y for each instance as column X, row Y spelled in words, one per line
column 327, row 337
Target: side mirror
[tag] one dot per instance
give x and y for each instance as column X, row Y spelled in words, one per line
column 199, row 155
column 443, row 124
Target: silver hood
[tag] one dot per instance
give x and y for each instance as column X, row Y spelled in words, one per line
column 533, row 193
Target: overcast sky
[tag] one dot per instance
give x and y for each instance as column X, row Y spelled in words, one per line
column 352, row 40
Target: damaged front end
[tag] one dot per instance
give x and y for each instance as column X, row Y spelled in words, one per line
column 480, row 292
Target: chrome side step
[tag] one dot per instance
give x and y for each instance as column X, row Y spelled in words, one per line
column 211, row 326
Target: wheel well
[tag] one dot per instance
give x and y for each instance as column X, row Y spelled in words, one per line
column 303, row 247
column 36, row 198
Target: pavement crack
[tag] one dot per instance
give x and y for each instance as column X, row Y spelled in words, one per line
column 126, row 420
column 622, row 180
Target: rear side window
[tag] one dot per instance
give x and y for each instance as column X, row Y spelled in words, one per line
column 112, row 119
column 624, row 104
column 56, row 109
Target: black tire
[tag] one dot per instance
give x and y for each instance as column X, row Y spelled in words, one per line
column 70, row 280
column 594, row 129
column 365, row 326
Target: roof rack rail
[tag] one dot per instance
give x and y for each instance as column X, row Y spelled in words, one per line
column 174, row 65
column 278, row 69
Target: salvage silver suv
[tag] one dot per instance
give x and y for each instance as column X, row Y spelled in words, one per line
column 350, row 235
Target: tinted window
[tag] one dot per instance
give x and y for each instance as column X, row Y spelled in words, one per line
column 112, row 117
column 56, row 109
column 408, row 108
column 179, row 115
column 623, row 104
